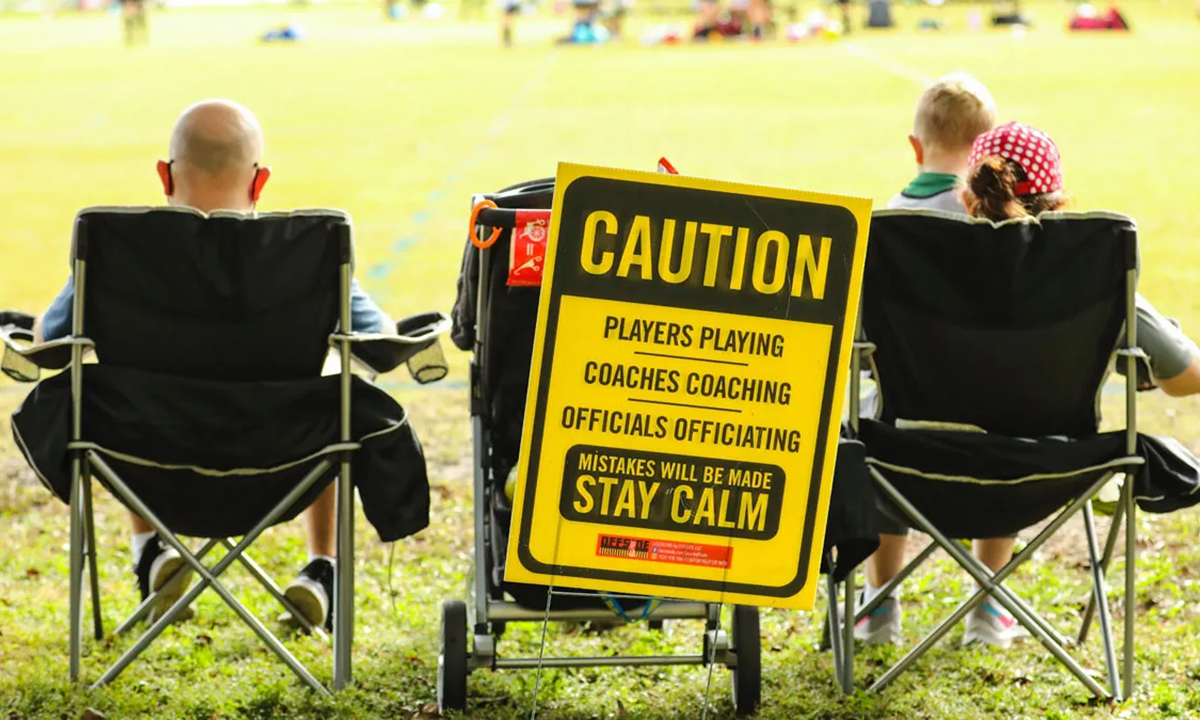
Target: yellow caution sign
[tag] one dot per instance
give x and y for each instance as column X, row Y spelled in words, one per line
column 689, row 368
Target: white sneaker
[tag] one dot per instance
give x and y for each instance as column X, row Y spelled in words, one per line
column 883, row 626
column 160, row 569
column 311, row 593
column 991, row 624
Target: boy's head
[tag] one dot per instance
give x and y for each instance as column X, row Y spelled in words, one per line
column 951, row 113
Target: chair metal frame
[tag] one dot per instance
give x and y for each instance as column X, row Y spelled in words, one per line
column 86, row 460
column 1120, row 682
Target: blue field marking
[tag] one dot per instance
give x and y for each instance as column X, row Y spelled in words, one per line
column 403, row 244
column 422, row 216
column 379, row 273
column 381, row 270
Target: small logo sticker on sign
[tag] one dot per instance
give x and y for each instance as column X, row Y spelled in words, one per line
column 679, row 553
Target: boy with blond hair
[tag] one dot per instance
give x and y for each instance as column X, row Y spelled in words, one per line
column 951, row 113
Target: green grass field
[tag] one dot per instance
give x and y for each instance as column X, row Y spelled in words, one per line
column 398, row 124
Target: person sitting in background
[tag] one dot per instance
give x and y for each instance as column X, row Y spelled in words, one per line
column 951, row 113
column 215, row 164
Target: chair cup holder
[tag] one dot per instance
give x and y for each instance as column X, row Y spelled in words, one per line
column 16, row 328
column 18, row 367
column 428, row 364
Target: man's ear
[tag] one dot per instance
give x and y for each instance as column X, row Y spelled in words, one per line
column 261, row 176
column 917, row 149
column 164, row 174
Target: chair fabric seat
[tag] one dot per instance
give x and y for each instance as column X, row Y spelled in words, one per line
column 211, row 458
column 972, row 485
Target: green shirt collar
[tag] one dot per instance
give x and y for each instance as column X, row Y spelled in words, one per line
column 928, row 184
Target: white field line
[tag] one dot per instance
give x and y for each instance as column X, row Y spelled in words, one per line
column 882, row 61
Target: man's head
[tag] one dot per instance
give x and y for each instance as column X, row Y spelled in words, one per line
column 951, row 113
column 215, row 150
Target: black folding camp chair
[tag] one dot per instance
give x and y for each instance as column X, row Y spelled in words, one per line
column 990, row 344
column 207, row 413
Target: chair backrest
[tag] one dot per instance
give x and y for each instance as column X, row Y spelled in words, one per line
column 1009, row 326
column 224, row 296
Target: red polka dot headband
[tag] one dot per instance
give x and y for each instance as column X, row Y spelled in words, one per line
column 1028, row 147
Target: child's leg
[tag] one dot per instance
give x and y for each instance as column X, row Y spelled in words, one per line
column 127, row 22
column 887, row 561
column 507, row 20
column 706, row 20
column 759, row 14
column 142, row 23
column 994, row 552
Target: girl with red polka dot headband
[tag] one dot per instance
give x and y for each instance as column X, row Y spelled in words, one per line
column 1015, row 172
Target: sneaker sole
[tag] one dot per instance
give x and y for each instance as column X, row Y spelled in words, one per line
column 987, row 636
column 302, row 594
column 879, row 637
column 170, row 589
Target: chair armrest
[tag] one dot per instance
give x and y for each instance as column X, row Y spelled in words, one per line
column 1145, row 380
column 415, row 343
column 23, row 360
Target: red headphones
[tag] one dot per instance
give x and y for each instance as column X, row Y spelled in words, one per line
column 261, row 176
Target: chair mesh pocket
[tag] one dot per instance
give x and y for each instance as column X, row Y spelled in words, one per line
column 18, row 367
column 429, row 364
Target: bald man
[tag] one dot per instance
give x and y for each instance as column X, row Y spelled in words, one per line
column 216, row 164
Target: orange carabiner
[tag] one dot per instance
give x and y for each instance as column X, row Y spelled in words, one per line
column 482, row 244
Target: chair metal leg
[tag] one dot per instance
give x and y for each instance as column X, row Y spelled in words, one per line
column 833, row 629
column 848, row 636
column 75, row 629
column 265, row 580
column 343, row 594
column 1100, row 595
column 1131, row 449
column 1130, row 585
column 208, row 577
column 1110, row 545
column 89, row 529
column 989, row 583
column 1037, row 619
column 826, row 641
